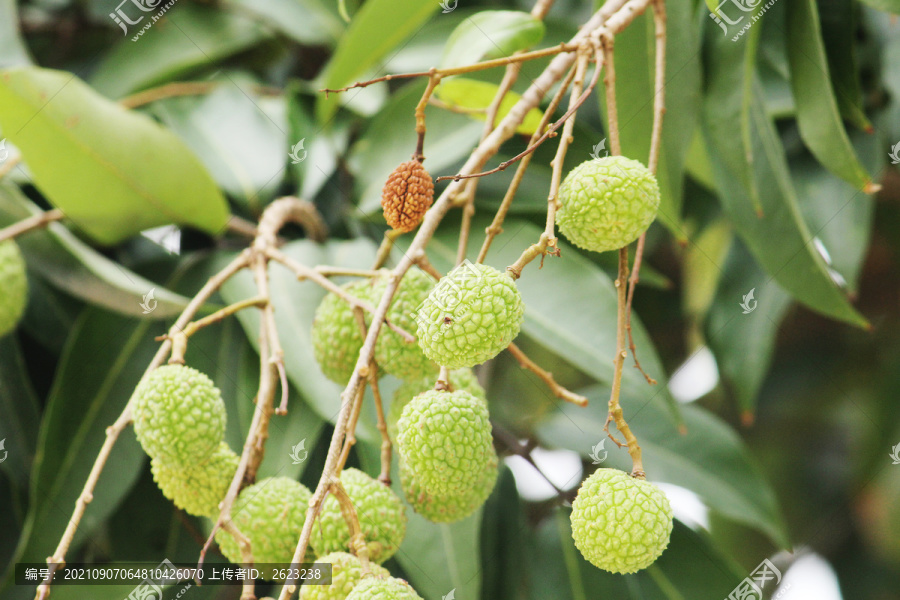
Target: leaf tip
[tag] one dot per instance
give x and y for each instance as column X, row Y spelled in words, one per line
column 748, row 418
column 871, row 187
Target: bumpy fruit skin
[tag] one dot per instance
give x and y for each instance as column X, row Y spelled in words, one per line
column 620, row 524
column 270, row 513
column 395, row 355
column 383, row 588
column 449, row 508
column 346, row 572
column 179, row 415
column 197, row 489
column 13, row 286
column 335, row 332
column 607, row 203
column 407, row 195
column 460, row 379
column 382, row 518
column 470, row 316
column 444, row 439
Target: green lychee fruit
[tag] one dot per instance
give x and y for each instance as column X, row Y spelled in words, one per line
column 336, row 337
column 398, row 357
column 197, row 489
column 346, row 572
column 444, row 439
column 13, row 286
column 472, row 314
column 383, row 588
column 620, row 524
column 179, row 415
column 460, row 379
column 449, row 508
column 382, row 518
column 607, row 203
column 270, row 513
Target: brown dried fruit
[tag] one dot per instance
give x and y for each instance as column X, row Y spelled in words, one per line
column 407, row 194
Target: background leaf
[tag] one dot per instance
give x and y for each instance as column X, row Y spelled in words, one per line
column 358, row 51
column 491, row 34
column 79, row 270
column 817, row 111
column 101, row 163
column 477, row 96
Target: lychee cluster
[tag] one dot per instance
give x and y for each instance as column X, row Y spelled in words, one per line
column 383, row 588
column 13, row 286
column 179, row 419
column 448, row 464
column 619, row 523
column 607, row 203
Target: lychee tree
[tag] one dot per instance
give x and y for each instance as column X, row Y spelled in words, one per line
column 343, row 282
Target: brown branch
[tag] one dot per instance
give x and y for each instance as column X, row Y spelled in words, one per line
column 433, row 82
column 547, row 377
column 384, row 249
column 385, row 475
column 480, row 66
column 30, row 224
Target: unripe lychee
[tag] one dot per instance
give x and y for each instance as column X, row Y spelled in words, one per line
column 452, row 507
column 607, row 203
column 382, row 518
column 13, row 286
column 270, row 513
column 460, row 379
column 197, row 489
column 619, row 523
column 336, row 336
column 472, row 314
column 346, row 572
column 401, row 358
column 383, row 588
column 179, row 416
column 444, row 439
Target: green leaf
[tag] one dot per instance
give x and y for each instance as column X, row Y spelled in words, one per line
column 112, row 171
column 817, row 111
column 635, row 94
column 378, row 27
column 390, row 139
column 74, row 267
column 297, row 302
column 309, row 22
column 190, row 37
column 324, row 147
column 240, row 137
column 586, row 337
column 839, row 22
column 503, row 540
column 19, row 414
column 743, row 343
column 82, row 403
column 709, row 458
column 793, row 262
column 491, row 34
column 891, row 6
column 474, row 97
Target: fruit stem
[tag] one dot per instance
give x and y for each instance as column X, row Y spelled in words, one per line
column 385, row 475
column 547, row 377
column 31, row 223
column 615, row 408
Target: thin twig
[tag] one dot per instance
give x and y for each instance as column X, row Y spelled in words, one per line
column 546, row 243
column 496, row 226
column 659, row 111
column 385, row 475
column 31, row 223
column 384, row 250
column 547, row 377
column 179, row 340
column 185, row 88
